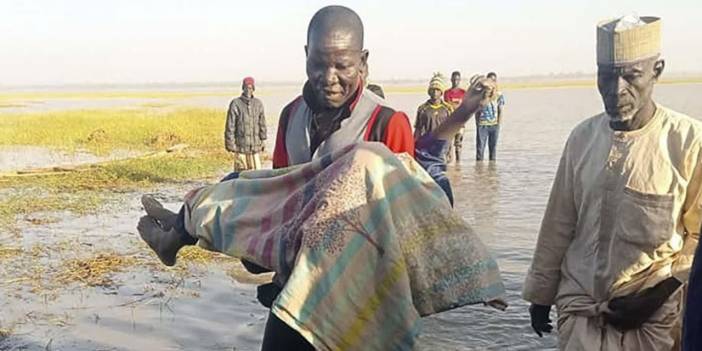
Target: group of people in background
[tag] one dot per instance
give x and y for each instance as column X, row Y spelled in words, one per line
column 442, row 102
column 245, row 131
column 617, row 240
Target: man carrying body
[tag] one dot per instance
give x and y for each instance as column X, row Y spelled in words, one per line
column 623, row 218
column 333, row 111
column 487, row 123
column 454, row 96
column 434, row 111
column 245, row 132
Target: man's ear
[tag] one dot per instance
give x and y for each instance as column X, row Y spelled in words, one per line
column 658, row 68
column 364, row 64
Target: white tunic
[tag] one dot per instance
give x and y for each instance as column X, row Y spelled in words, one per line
column 624, row 213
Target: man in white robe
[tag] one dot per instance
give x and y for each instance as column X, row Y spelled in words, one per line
column 623, row 218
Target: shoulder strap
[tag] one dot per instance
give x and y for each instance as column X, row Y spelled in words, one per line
column 378, row 123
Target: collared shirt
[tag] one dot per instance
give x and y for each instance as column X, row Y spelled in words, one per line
column 624, row 211
column 488, row 115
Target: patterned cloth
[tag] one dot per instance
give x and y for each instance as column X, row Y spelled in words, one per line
column 364, row 241
column 487, row 116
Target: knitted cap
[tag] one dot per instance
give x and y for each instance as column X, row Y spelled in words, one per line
column 437, row 82
column 248, row 80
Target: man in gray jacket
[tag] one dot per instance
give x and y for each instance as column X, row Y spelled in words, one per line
column 245, row 132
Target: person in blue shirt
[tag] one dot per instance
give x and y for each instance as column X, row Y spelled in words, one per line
column 487, row 122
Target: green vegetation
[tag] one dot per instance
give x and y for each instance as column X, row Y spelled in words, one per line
column 105, row 130
column 102, row 131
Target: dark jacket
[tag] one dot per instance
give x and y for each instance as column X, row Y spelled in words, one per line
column 245, row 131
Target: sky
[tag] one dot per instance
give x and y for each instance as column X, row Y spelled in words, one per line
column 46, row 42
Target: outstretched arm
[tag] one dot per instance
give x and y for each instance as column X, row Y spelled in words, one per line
column 475, row 97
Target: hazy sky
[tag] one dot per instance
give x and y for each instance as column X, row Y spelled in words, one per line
column 109, row 41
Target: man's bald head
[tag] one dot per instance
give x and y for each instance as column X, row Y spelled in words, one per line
column 337, row 64
column 337, row 26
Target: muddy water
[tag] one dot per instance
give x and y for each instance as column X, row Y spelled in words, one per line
column 503, row 201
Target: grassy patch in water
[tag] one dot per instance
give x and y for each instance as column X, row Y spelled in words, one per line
column 104, row 130
column 86, row 190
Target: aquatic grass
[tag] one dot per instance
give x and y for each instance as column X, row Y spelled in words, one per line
column 85, row 191
column 105, row 130
column 93, row 271
column 24, row 202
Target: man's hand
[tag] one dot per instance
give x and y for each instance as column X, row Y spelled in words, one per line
column 540, row 321
column 477, row 95
column 631, row 311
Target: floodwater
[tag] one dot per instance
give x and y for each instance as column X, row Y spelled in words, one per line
column 504, row 202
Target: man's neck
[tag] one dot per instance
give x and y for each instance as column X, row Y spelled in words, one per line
column 640, row 120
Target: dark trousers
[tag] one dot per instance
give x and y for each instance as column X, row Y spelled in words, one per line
column 278, row 336
column 458, row 145
column 486, row 135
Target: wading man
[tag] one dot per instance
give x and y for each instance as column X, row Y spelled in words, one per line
column 623, row 218
column 488, row 120
column 454, row 96
column 333, row 113
column 245, row 130
column 434, row 111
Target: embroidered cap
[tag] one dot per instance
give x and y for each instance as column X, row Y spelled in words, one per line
column 628, row 39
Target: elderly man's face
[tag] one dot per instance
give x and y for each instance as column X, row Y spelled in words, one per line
column 335, row 66
column 627, row 89
column 247, row 90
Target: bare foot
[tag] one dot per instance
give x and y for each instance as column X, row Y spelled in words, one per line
column 165, row 243
column 165, row 218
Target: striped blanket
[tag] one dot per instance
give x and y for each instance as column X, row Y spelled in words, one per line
column 363, row 241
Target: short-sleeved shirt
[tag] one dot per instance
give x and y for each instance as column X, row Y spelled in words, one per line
column 454, row 96
column 487, row 116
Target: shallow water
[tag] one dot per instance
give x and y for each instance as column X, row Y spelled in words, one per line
column 20, row 158
column 504, row 202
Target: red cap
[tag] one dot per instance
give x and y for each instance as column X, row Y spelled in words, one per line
column 248, row 80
